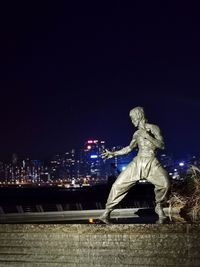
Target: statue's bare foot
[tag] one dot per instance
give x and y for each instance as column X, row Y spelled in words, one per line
column 105, row 220
column 105, row 217
column 160, row 212
column 161, row 220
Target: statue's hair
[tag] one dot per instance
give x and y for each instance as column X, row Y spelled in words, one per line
column 137, row 112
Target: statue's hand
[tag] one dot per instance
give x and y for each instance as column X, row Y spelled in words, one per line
column 107, row 154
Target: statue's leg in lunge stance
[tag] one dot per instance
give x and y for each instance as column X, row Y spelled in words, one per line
column 119, row 190
column 160, row 179
column 128, row 178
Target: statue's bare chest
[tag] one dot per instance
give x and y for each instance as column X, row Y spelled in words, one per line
column 144, row 143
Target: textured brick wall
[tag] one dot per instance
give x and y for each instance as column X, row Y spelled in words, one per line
column 99, row 245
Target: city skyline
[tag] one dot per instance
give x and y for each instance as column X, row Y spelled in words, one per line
column 71, row 72
column 83, row 167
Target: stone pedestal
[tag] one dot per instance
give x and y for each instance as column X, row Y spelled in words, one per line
column 55, row 245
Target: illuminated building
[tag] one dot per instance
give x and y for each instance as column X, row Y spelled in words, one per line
column 65, row 166
column 93, row 164
column 68, row 165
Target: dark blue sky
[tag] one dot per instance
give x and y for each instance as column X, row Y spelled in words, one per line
column 69, row 72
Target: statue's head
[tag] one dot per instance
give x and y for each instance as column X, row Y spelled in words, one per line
column 137, row 115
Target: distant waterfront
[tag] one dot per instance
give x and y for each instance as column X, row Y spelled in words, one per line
column 51, row 199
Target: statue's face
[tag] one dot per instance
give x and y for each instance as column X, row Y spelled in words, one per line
column 137, row 116
column 135, row 120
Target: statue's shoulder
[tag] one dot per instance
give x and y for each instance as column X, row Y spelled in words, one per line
column 135, row 135
column 152, row 127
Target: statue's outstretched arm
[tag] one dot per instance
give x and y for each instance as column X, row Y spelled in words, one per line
column 109, row 154
column 126, row 149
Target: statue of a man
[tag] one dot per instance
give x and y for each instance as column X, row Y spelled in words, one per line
column 144, row 166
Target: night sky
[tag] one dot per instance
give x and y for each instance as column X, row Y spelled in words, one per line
column 69, row 72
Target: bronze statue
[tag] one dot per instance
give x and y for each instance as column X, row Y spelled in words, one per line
column 144, row 166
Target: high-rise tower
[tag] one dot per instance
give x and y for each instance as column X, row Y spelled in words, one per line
column 93, row 163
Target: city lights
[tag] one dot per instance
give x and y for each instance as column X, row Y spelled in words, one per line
column 79, row 168
column 94, row 156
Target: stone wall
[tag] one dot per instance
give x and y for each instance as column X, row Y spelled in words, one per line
column 99, row 245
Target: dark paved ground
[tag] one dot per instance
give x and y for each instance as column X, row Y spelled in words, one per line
column 119, row 216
